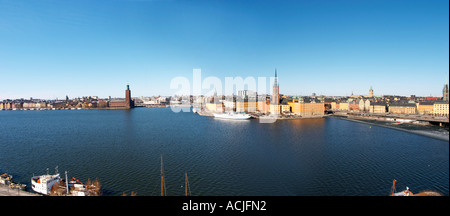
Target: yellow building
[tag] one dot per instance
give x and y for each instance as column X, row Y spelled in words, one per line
column 262, row 106
column 292, row 104
column 246, row 106
column 2, row 106
column 313, row 109
column 403, row 108
column 334, row 105
column 441, row 109
column 285, row 108
column 275, row 109
column 214, row 107
column 343, row 106
column 308, row 108
column 377, row 107
column 425, row 108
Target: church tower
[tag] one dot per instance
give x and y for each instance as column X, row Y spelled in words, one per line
column 370, row 92
column 276, row 91
column 445, row 92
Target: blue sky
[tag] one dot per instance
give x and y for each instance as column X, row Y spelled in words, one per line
column 50, row 49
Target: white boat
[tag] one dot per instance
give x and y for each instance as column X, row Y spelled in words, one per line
column 44, row 183
column 237, row 116
column 77, row 188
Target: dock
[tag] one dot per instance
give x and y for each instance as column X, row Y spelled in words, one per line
column 6, row 191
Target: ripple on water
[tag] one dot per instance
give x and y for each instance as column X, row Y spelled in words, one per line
column 299, row 157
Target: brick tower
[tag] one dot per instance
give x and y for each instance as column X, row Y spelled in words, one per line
column 128, row 102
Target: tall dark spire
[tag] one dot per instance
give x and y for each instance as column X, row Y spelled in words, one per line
column 276, row 79
column 276, row 90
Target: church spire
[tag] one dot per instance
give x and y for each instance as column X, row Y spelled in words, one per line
column 276, row 78
column 276, row 90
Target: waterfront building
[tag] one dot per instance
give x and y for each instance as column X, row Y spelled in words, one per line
column 353, row 105
column 285, row 108
column 378, row 107
column 229, row 104
column 425, row 107
column 441, row 108
column 445, row 92
column 6, row 105
column 312, row 107
column 364, row 105
column 343, row 106
column 126, row 103
column 214, row 103
column 18, row 105
column 102, row 104
column 335, row 105
column 245, row 105
column 294, row 107
column 327, row 103
column 275, row 109
column 263, row 104
column 403, row 108
column 215, row 107
column 367, row 105
column 307, row 107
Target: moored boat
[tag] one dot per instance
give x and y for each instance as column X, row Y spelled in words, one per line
column 407, row 192
column 237, row 116
column 5, row 179
column 44, row 183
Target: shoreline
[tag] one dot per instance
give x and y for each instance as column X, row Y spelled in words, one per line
column 6, row 191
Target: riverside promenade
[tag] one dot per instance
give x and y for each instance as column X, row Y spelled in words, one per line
column 391, row 117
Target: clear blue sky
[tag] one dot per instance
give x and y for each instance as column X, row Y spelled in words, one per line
column 53, row 48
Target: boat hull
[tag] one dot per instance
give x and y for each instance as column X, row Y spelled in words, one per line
column 232, row 116
column 43, row 184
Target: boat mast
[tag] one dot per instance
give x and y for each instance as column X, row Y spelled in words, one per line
column 67, row 184
column 186, row 185
column 162, row 177
column 393, row 187
column 163, row 185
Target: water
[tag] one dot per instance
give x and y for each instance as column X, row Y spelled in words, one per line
column 304, row 157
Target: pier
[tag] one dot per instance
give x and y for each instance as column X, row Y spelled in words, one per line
column 6, row 191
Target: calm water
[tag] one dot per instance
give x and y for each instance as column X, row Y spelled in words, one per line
column 306, row 157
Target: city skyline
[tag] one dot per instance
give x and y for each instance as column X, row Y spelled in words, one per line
column 51, row 49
